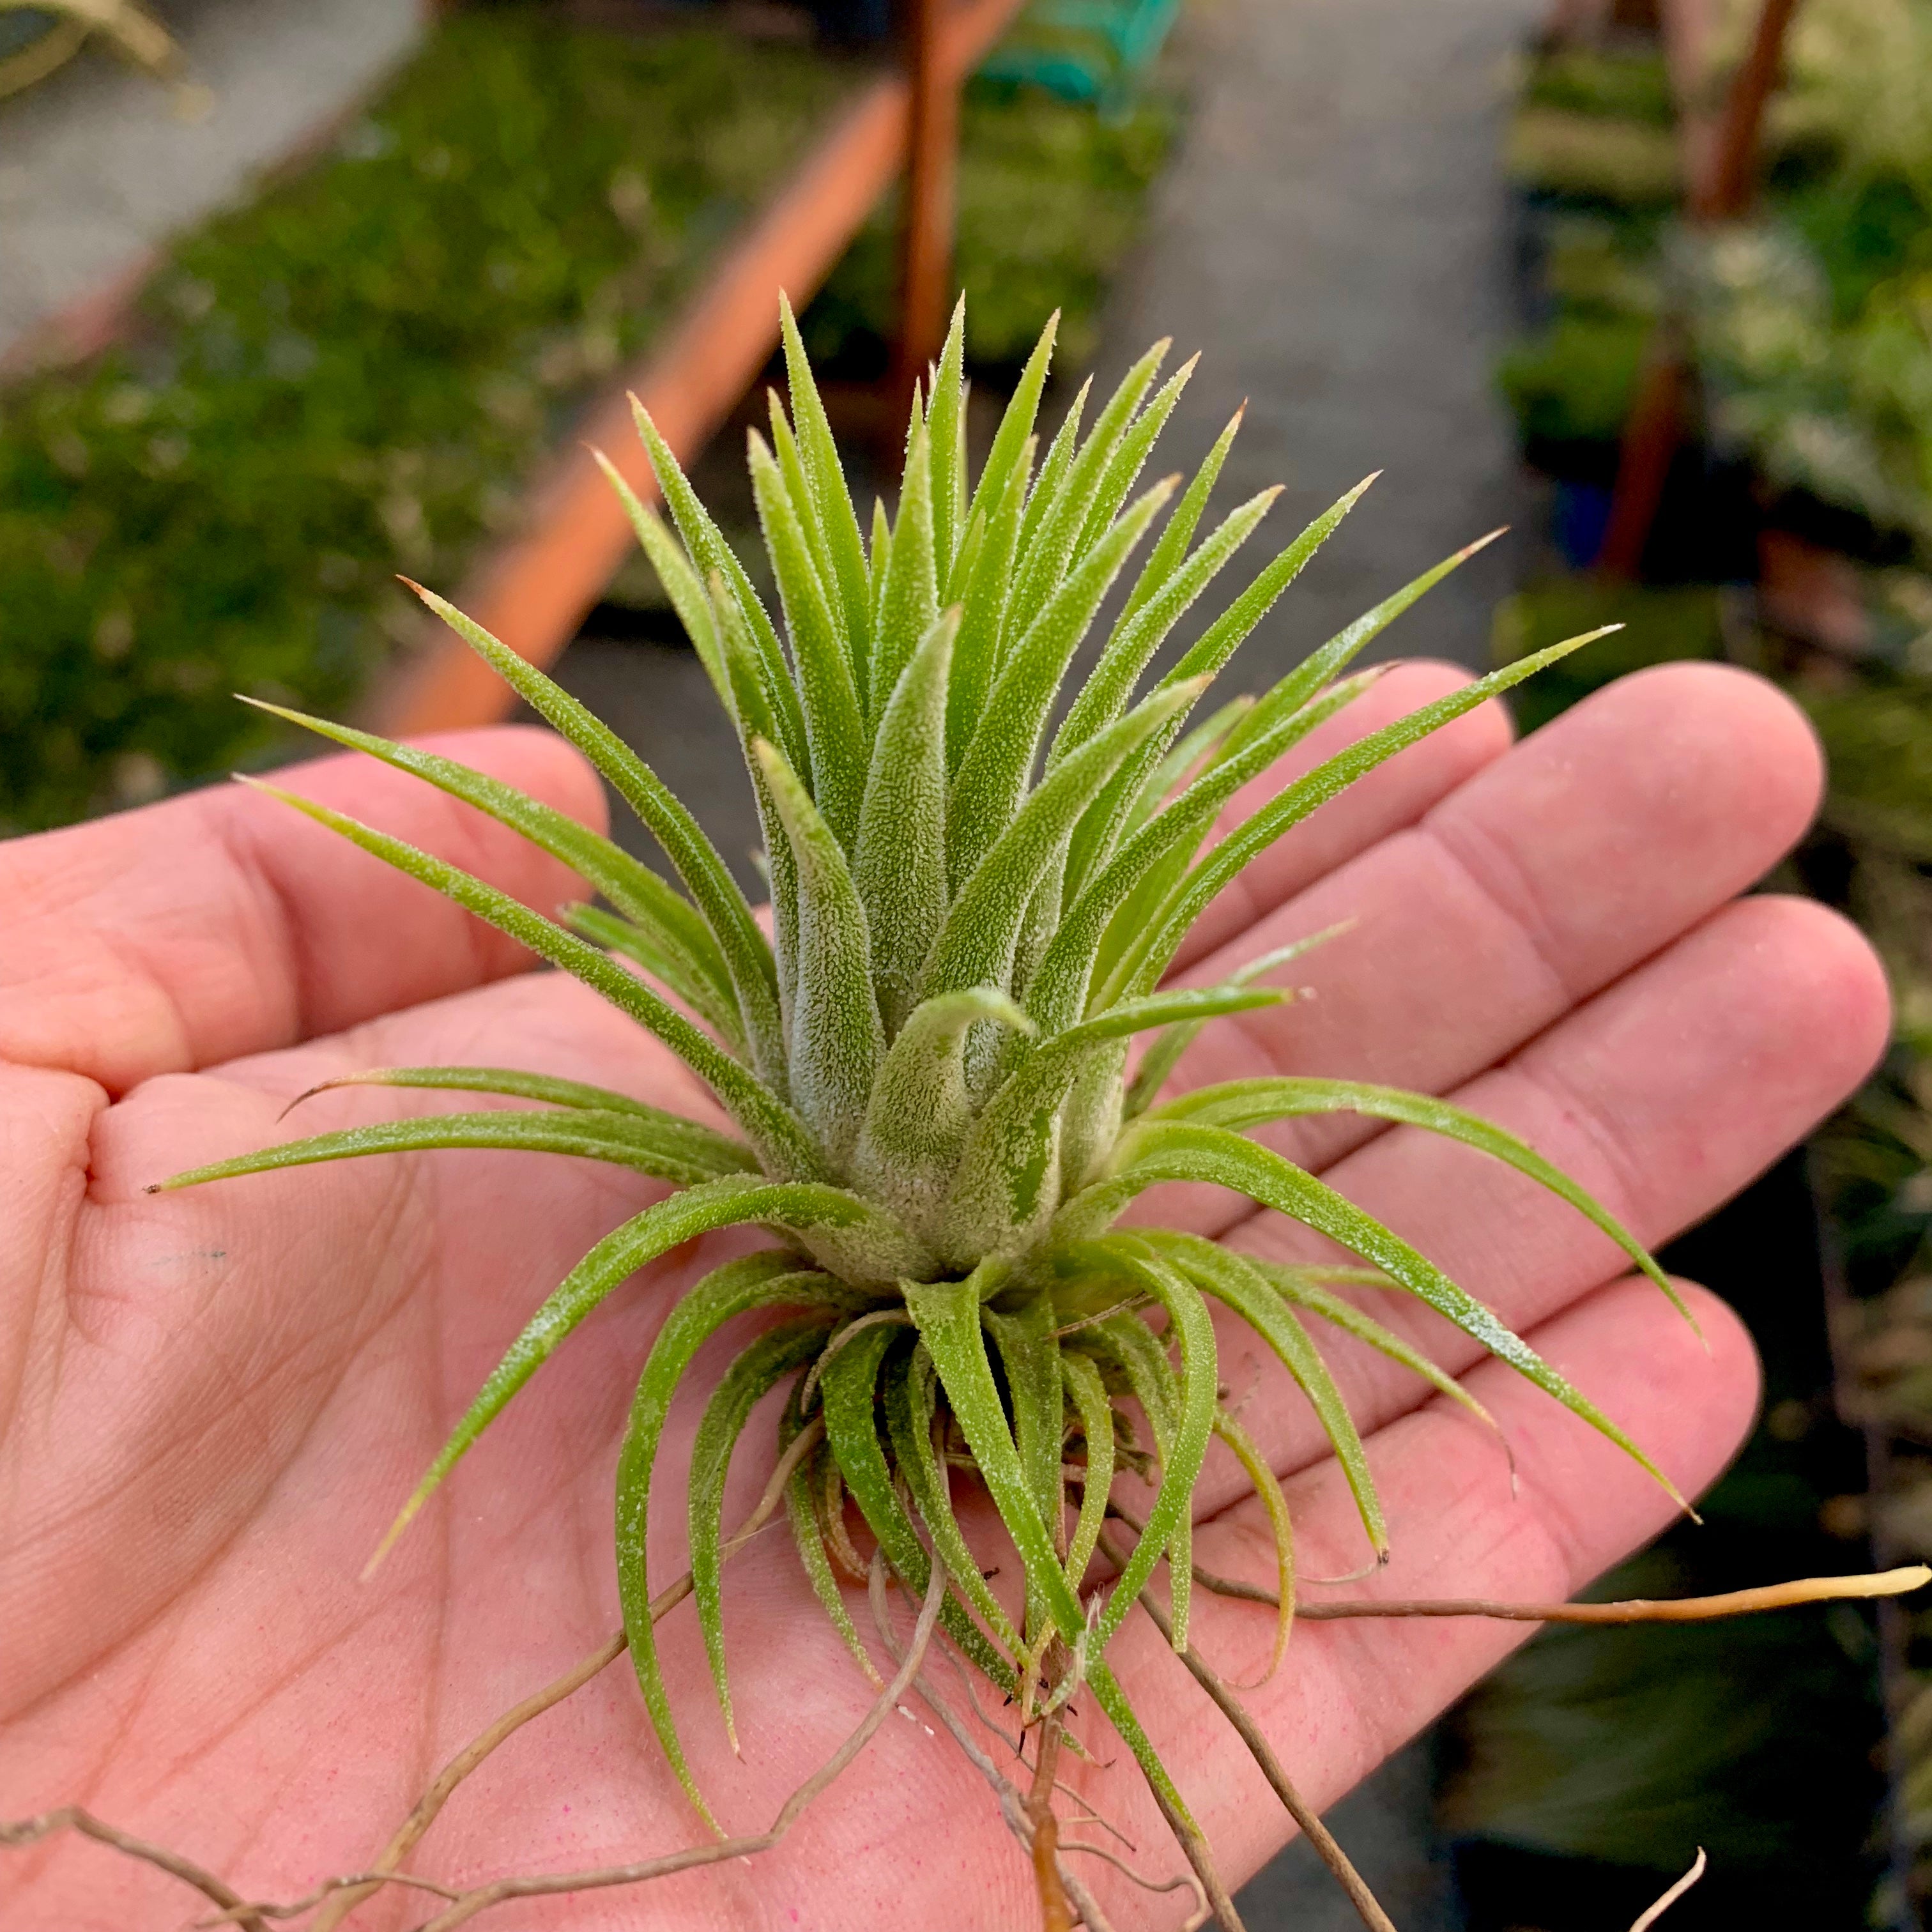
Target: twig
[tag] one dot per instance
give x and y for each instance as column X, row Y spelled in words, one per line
column 718, row 1850
column 1671, row 1897
column 76, row 1818
column 1298, row 1807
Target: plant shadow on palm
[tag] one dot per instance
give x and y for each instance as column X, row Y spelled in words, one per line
column 986, row 1375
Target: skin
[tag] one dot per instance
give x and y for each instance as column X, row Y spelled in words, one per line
column 211, row 1403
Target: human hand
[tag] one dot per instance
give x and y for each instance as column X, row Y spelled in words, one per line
column 211, row 1403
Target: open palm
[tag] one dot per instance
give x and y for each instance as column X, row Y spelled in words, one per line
column 211, row 1403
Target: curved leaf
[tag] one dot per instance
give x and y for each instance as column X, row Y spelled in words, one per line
column 683, row 1152
column 910, row 1408
column 770, row 1125
column 1174, row 1150
column 1088, row 1394
column 1239, row 1104
column 1233, row 1280
column 849, row 1387
column 764, row 1280
column 775, row 1353
column 748, row 958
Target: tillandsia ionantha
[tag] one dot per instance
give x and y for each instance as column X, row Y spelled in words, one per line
column 978, row 885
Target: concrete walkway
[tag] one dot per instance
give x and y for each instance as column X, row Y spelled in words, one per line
column 99, row 166
column 1333, row 237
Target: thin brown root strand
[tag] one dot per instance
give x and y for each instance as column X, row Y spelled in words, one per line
column 295, row 1907
column 1306, row 1819
column 1670, row 1897
column 76, row 1818
column 717, row 1851
column 1203, row 1911
column 1011, row 1803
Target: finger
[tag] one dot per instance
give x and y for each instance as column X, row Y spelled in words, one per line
column 222, row 923
column 1350, row 1693
column 1662, row 1097
column 1533, row 885
column 1390, row 799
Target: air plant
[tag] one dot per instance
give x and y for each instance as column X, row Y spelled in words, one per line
column 976, row 891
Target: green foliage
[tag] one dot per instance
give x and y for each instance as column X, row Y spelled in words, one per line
column 937, row 1130
column 1051, row 198
column 1575, row 382
column 347, row 378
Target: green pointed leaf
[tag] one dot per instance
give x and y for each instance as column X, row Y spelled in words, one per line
column 1144, row 967
column 1229, row 631
column 948, row 1315
column 975, row 945
column 1165, row 558
column 685, row 1152
column 1111, row 916
column 833, row 726
column 946, row 428
column 798, row 493
column 1189, row 1321
column 755, row 721
column 713, row 557
column 1268, row 1488
column 848, row 1387
column 1128, row 800
column 757, row 1371
column 802, row 1514
column 837, row 1041
column 1123, row 467
column 516, row 1084
column 975, row 658
column 1088, row 1394
column 1049, row 544
column 1233, row 1281
column 1016, row 424
column 748, row 957
column 769, row 1280
column 1158, row 1064
column 681, row 583
column 1301, row 1288
column 992, row 776
column 1174, row 1150
column 909, row 1411
column 692, row 964
column 1136, row 639
column 732, row 1201
column 640, row 944
column 1030, row 1354
column 909, row 600
column 770, row 1125
column 1240, row 1104
column 831, row 500
column 1046, row 492
column 900, row 863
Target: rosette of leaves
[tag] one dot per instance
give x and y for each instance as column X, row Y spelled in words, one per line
column 926, row 1066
